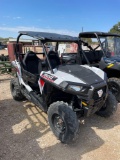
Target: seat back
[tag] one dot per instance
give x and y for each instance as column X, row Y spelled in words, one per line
column 32, row 63
column 54, row 59
column 93, row 57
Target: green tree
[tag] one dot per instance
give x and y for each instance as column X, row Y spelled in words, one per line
column 115, row 28
column 4, row 40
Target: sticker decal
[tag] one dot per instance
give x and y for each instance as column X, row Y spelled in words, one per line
column 49, row 77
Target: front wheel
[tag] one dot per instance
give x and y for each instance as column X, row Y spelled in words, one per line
column 63, row 121
column 109, row 107
column 114, row 87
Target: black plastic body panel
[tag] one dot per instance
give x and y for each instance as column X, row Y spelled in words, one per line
column 29, row 77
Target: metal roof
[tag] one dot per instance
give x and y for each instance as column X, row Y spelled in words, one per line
column 101, row 34
column 49, row 36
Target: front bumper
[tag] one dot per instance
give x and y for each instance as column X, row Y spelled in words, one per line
column 93, row 107
column 94, row 101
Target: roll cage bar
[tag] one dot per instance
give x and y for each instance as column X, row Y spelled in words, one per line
column 97, row 35
column 44, row 37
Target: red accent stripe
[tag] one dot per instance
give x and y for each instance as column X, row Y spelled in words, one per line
column 42, row 82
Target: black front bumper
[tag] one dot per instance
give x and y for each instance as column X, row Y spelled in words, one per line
column 93, row 107
column 94, row 101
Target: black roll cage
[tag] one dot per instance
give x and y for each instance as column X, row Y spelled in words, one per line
column 44, row 37
column 97, row 35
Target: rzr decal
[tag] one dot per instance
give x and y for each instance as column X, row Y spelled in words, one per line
column 49, row 77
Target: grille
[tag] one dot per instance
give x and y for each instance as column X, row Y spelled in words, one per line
column 96, row 95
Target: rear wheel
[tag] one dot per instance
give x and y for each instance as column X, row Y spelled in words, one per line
column 63, row 121
column 114, row 87
column 109, row 107
column 15, row 90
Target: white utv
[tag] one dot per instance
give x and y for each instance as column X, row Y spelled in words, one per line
column 65, row 92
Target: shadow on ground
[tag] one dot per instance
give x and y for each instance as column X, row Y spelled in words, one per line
column 25, row 134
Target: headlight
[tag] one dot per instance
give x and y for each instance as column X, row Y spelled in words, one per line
column 75, row 88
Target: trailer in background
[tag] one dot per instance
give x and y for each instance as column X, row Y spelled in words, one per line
column 67, row 48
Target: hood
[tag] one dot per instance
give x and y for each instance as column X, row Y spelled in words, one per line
column 89, row 75
column 112, row 59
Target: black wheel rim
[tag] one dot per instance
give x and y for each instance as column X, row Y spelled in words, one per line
column 114, row 88
column 58, row 124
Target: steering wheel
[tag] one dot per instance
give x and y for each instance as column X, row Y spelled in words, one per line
column 70, row 61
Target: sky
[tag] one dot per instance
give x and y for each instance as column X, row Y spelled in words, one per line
column 58, row 16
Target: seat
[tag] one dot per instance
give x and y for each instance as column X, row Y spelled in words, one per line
column 98, row 55
column 32, row 63
column 31, row 69
column 54, row 59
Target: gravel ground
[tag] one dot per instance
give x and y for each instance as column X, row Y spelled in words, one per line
column 25, row 134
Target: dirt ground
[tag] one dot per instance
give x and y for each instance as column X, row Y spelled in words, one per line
column 25, row 134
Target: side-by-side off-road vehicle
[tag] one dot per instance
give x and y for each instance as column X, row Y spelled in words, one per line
column 103, row 50
column 65, row 91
